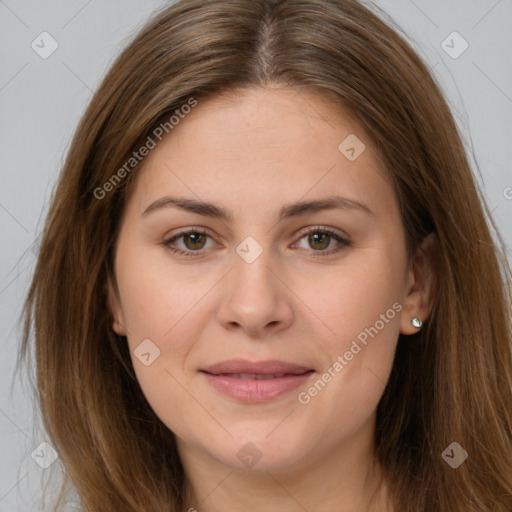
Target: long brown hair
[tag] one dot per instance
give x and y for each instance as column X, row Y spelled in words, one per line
column 450, row 382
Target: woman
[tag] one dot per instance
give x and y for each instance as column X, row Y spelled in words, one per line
column 196, row 348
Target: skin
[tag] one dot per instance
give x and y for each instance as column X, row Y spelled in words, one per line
column 253, row 153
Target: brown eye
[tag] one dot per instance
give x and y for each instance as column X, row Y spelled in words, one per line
column 195, row 239
column 319, row 240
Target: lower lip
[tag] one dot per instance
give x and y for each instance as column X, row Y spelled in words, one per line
column 256, row 391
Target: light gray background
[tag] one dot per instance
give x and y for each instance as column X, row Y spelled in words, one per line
column 41, row 101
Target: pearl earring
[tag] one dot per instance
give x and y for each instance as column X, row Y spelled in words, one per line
column 417, row 322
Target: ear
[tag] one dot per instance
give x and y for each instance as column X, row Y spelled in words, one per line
column 420, row 278
column 114, row 306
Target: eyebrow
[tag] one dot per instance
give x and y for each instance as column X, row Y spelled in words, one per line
column 289, row 211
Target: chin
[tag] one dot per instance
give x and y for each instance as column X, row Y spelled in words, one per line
column 261, row 452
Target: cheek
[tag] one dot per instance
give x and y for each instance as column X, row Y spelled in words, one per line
column 360, row 313
column 357, row 368
column 162, row 326
column 350, row 299
column 150, row 311
column 151, row 291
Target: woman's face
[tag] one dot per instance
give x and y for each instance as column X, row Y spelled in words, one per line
column 267, row 341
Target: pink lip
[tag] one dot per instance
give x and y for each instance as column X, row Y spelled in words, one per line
column 225, row 378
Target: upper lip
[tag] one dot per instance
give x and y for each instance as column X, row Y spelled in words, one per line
column 237, row 366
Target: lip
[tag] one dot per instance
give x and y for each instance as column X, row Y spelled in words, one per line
column 262, row 367
column 255, row 385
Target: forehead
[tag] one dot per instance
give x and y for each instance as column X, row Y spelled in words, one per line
column 274, row 145
column 266, row 119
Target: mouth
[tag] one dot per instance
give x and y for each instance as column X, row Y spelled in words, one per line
column 256, row 382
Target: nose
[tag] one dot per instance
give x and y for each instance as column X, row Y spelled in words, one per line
column 255, row 298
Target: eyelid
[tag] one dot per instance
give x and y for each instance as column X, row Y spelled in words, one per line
column 318, row 227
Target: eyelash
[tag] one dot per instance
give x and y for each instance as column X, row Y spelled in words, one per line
column 342, row 242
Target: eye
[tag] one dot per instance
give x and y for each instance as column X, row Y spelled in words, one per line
column 320, row 239
column 195, row 240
